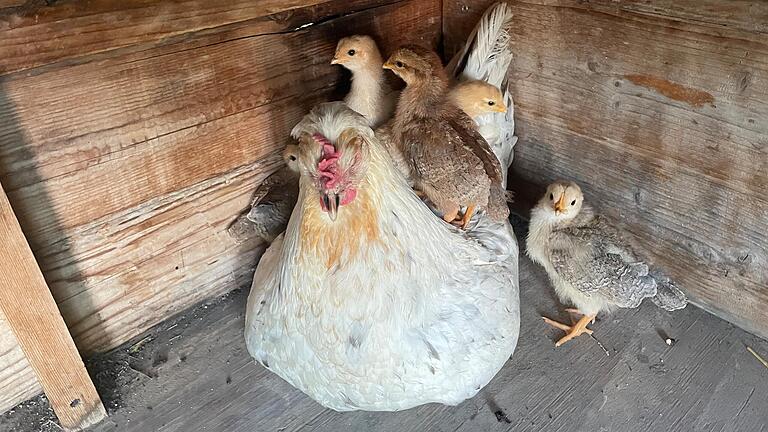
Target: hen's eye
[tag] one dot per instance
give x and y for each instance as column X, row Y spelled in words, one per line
column 573, row 203
column 491, row 103
column 351, row 52
column 399, row 64
column 552, row 197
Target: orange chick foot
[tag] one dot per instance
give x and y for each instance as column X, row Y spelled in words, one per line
column 571, row 331
column 467, row 216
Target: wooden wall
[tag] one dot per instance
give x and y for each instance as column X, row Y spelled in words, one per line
column 659, row 108
column 133, row 132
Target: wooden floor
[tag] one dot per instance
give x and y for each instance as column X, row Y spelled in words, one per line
column 193, row 373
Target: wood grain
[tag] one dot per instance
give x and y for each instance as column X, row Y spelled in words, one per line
column 126, row 166
column 17, row 379
column 658, row 110
column 39, row 32
column 40, row 330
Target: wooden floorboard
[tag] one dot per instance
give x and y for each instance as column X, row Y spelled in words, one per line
column 194, row 373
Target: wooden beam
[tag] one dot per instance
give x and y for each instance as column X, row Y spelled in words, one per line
column 42, row 334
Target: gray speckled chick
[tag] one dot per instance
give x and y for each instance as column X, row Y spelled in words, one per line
column 590, row 266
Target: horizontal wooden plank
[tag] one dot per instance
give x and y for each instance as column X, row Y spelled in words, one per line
column 33, row 316
column 661, row 120
column 127, row 169
column 134, row 106
column 42, row 32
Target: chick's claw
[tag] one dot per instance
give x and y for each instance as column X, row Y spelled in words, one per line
column 571, row 331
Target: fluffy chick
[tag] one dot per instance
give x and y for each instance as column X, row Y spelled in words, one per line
column 272, row 202
column 451, row 163
column 478, row 98
column 589, row 264
column 369, row 94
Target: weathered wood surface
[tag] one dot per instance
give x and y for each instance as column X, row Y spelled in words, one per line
column 126, row 165
column 38, row 32
column 42, row 334
column 204, row 379
column 659, row 109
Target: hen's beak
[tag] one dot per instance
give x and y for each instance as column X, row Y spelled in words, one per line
column 331, row 203
column 388, row 65
column 560, row 204
column 335, row 60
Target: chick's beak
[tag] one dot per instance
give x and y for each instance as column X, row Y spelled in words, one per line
column 560, row 204
column 335, row 60
column 388, row 65
column 331, row 204
column 501, row 107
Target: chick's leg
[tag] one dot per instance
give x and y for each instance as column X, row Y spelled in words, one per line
column 467, row 216
column 572, row 331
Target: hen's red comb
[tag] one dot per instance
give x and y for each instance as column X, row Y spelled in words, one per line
column 327, row 166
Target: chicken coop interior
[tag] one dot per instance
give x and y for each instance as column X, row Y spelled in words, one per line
column 134, row 135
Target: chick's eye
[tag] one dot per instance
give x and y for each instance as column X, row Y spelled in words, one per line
column 573, row 203
column 491, row 103
column 351, row 52
column 292, row 157
column 552, row 197
column 399, row 64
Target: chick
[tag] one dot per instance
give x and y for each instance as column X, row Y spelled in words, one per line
column 588, row 263
column 477, row 98
column 272, row 202
column 451, row 163
column 291, row 157
column 369, row 94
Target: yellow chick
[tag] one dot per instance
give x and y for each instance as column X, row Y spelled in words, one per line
column 369, row 94
column 476, row 98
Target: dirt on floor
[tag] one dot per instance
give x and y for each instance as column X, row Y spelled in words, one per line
column 122, row 370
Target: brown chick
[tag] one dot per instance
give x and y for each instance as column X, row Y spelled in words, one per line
column 272, row 202
column 452, row 165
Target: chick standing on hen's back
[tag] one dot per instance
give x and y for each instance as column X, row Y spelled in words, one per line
column 588, row 263
column 369, row 94
column 451, row 162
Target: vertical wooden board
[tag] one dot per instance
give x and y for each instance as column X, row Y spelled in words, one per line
column 40, row 330
column 658, row 111
column 459, row 18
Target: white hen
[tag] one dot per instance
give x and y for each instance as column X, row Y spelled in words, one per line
column 372, row 302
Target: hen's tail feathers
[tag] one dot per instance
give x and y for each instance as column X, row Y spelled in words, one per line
column 668, row 295
column 486, row 56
